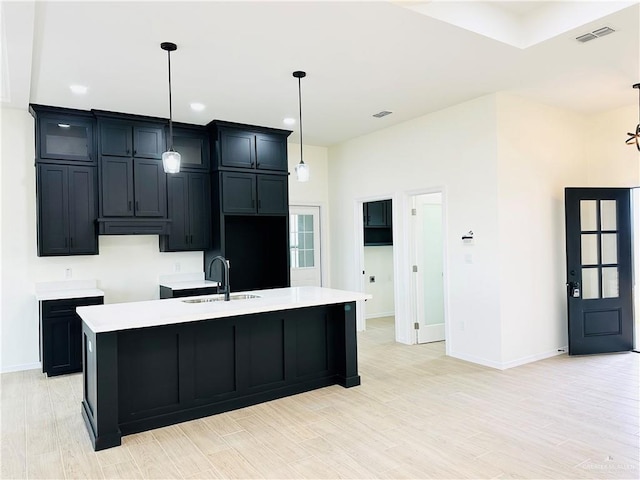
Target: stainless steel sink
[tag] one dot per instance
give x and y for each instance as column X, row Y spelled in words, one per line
column 220, row 298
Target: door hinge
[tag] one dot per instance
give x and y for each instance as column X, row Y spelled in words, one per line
column 416, row 326
column 414, row 212
column 414, row 268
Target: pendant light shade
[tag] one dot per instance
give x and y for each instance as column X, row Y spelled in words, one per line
column 634, row 138
column 302, row 169
column 170, row 158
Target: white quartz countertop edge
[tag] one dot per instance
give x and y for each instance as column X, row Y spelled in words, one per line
column 184, row 285
column 70, row 293
column 153, row 313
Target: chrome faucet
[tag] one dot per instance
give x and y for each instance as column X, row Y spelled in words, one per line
column 225, row 276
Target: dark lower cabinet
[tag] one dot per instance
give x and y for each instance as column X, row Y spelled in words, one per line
column 189, row 209
column 168, row 292
column 61, row 334
column 146, row 378
column 66, row 210
column 249, row 193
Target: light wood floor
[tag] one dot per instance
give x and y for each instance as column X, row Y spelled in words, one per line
column 417, row 414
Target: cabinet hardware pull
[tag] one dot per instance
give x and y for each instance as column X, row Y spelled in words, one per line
column 71, row 242
column 127, row 151
column 259, row 203
column 137, row 206
column 135, row 152
column 129, row 205
column 186, row 239
column 190, row 238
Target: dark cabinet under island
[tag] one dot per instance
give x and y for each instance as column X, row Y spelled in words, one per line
column 156, row 363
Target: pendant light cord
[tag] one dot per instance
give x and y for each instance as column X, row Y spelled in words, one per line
column 300, row 105
column 170, row 109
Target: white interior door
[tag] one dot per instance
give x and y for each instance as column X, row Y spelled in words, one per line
column 304, row 244
column 429, row 262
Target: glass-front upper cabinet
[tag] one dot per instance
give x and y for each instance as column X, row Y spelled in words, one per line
column 193, row 147
column 66, row 137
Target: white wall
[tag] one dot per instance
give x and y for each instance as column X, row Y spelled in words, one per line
column 378, row 262
column 610, row 162
column 541, row 150
column 455, row 149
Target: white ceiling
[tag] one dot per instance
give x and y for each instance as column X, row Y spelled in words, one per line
column 360, row 57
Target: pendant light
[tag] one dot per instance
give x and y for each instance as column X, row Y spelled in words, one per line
column 635, row 137
column 170, row 158
column 302, row 169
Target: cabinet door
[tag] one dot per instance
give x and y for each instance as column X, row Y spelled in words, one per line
column 376, row 214
column 271, row 152
column 60, row 352
column 150, row 187
column 66, row 138
column 237, row 148
column 83, row 238
column 193, row 147
column 116, row 139
column 177, row 201
column 53, row 210
column 117, row 186
column 148, row 142
column 199, row 211
column 238, row 192
column 273, row 195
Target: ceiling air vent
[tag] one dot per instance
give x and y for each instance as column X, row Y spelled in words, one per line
column 381, row 114
column 601, row 32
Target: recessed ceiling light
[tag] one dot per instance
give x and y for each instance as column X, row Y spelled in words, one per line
column 64, row 125
column 289, row 121
column 78, row 89
column 198, row 107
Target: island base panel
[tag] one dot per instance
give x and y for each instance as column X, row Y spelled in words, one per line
column 147, row 378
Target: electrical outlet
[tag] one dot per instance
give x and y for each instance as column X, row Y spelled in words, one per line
column 372, row 279
column 176, row 267
column 67, row 273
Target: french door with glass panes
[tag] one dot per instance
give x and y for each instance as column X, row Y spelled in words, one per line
column 304, row 244
column 599, row 270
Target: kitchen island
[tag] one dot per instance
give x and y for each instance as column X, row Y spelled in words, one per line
column 155, row 363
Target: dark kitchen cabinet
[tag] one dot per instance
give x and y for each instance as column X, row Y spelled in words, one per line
column 168, row 292
column 189, row 209
column 123, row 139
column 65, row 137
column 193, row 146
column 246, row 146
column 61, row 334
column 378, row 224
column 132, row 187
column 248, row 193
column 377, row 214
column 66, row 210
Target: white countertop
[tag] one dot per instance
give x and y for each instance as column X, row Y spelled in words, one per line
column 184, row 285
column 67, row 289
column 124, row 316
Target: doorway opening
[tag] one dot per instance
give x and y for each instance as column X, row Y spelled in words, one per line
column 428, row 267
column 378, row 262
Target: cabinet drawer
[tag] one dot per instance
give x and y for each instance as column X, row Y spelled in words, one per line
column 60, row 308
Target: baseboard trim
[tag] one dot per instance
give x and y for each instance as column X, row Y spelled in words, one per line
column 513, row 363
column 380, row 315
column 20, row 368
column 534, row 358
